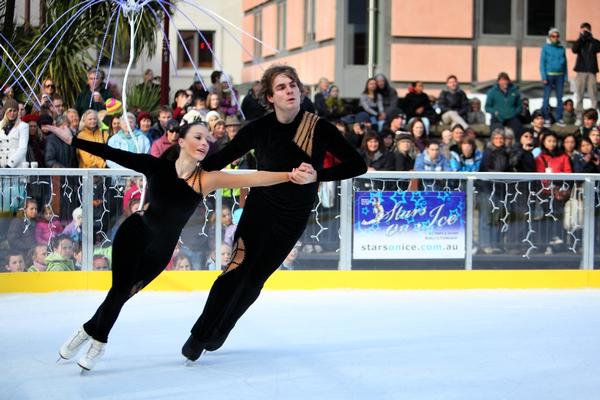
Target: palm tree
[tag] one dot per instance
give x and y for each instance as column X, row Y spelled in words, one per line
column 67, row 62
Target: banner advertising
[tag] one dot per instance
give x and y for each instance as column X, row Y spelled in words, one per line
column 409, row 225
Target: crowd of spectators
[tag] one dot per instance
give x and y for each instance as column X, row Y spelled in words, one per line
column 450, row 132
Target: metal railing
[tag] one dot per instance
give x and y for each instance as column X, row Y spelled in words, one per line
column 338, row 252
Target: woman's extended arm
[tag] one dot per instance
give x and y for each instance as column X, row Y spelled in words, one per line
column 212, row 180
column 138, row 162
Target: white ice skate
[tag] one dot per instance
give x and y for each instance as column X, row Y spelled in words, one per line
column 71, row 347
column 89, row 359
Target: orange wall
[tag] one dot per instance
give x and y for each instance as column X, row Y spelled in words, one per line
column 248, row 4
column 432, row 18
column 430, row 62
column 491, row 60
column 294, row 24
column 530, row 63
column 325, row 23
column 309, row 70
column 269, row 29
column 579, row 11
column 247, row 42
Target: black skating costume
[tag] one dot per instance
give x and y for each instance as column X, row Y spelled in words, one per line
column 274, row 217
column 144, row 242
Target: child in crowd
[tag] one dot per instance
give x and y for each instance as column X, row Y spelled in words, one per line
column 61, row 259
column 38, row 255
column 14, row 262
column 48, row 226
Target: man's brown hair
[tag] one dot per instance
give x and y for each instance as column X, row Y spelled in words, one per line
column 270, row 75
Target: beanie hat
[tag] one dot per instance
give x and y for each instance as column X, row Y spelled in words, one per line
column 113, row 106
column 11, row 103
column 30, row 118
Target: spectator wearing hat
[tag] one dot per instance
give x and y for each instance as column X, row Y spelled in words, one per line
column 453, row 103
column 90, row 131
column 553, row 69
column 129, row 138
column 94, row 94
column 403, row 160
column 113, row 106
column 394, row 122
column 251, row 105
column 232, row 126
column 586, row 67
column 167, row 140
column 217, row 138
column 229, row 97
column 14, row 136
column 504, row 103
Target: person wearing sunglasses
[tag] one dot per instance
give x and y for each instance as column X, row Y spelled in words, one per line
column 553, row 68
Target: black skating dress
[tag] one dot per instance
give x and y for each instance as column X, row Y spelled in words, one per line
column 144, row 243
column 274, row 217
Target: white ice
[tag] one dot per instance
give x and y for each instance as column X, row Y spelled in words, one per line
column 493, row 344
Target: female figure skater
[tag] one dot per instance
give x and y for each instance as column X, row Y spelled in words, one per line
column 275, row 217
column 144, row 243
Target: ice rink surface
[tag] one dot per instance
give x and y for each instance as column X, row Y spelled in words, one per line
column 484, row 345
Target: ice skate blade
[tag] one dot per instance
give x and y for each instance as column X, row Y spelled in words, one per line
column 84, row 370
column 190, row 363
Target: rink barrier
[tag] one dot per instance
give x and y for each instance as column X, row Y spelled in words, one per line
column 590, row 184
column 314, row 280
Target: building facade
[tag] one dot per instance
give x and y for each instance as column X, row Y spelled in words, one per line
column 410, row 40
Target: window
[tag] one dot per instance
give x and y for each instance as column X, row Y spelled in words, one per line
column 540, row 17
column 309, row 20
column 497, row 17
column 198, row 49
column 357, row 28
column 281, row 31
column 258, row 34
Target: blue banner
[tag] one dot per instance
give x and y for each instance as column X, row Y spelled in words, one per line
column 409, row 225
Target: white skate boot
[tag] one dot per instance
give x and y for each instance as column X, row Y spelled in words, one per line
column 71, row 347
column 89, row 359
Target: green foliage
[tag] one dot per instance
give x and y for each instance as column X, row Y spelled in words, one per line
column 78, row 43
column 143, row 97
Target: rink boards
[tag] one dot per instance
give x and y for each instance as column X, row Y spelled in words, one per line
column 307, row 280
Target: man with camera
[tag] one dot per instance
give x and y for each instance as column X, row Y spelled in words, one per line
column 586, row 67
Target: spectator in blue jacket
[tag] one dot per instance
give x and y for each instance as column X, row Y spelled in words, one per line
column 553, row 68
column 504, row 103
column 468, row 157
column 431, row 159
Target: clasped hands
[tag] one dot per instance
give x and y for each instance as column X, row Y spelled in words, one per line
column 304, row 174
